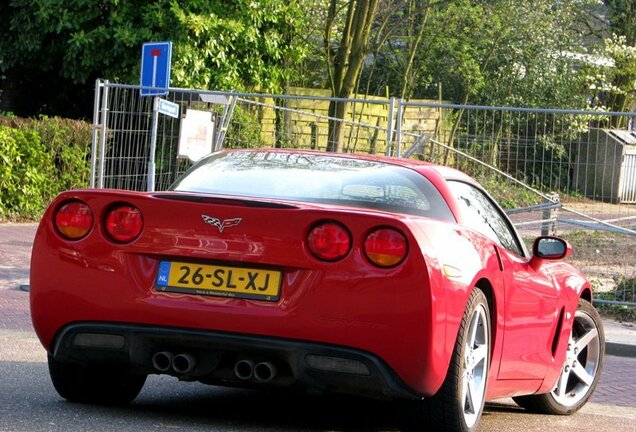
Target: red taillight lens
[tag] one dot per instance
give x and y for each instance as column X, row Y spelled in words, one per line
column 329, row 241
column 74, row 220
column 124, row 223
column 385, row 247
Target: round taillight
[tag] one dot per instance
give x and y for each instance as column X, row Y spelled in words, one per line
column 124, row 223
column 329, row 241
column 385, row 247
column 74, row 220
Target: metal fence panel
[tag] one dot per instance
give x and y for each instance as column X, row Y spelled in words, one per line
column 570, row 173
column 558, row 172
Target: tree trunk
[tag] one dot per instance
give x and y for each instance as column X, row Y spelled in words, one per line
column 337, row 112
column 347, row 62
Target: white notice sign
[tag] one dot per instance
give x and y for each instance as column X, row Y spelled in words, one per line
column 195, row 137
column 168, row 108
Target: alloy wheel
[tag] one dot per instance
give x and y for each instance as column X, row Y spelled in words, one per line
column 581, row 363
column 475, row 367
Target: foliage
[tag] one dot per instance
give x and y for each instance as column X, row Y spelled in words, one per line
column 493, row 52
column 40, row 158
column 613, row 85
column 624, row 291
column 508, row 194
column 223, row 45
column 245, row 129
column 24, row 173
column 67, row 145
column 622, row 18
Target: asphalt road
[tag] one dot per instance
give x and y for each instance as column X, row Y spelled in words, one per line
column 28, row 402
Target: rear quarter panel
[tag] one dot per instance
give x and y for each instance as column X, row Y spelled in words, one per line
column 460, row 260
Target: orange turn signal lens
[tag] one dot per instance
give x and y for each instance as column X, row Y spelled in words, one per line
column 385, row 247
column 73, row 220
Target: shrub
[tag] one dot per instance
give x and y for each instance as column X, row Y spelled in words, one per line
column 39, row 159
column 68, row 145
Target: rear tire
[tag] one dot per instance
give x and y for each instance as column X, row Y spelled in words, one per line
column 458, row 405
column 84, row 384
column 581, row 369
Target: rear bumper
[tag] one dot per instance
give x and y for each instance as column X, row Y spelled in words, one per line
column 313, row 367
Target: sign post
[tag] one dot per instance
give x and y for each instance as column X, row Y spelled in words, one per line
column 155, row 80
column 153, row 145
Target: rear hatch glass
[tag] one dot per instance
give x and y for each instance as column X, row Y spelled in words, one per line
column 316, row 178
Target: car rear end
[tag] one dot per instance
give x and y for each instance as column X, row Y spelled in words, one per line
column 153, row 278
column 285, row 268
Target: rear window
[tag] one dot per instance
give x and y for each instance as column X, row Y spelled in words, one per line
column 316, row 178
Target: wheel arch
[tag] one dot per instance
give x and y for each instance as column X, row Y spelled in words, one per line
column 487, row 288
column 586, row 294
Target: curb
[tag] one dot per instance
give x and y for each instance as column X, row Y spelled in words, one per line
column 620, row 350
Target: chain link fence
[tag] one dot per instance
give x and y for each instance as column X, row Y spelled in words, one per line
column 569, row 173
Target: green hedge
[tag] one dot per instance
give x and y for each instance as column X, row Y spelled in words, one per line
column 39, row 158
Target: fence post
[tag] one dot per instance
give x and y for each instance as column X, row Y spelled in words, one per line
column 398, row 128
column 389, row 127
column 314, row 135
column 153, row 144
column 548, row 227
column 96, row 126
column 102, row 144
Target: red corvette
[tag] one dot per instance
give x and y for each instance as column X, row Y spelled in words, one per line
column 387, row 278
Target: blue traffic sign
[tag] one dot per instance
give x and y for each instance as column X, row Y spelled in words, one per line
column 155, row 68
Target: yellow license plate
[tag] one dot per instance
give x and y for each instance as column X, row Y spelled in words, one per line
column 216, row 280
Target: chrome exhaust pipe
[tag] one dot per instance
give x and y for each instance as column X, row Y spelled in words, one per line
column 162, row 361
column 265, row 372
column 183, row 364
column 244, row 369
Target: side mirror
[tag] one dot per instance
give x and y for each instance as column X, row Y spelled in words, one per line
column 551, row 248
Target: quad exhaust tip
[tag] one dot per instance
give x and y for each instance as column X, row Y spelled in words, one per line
column 261, row 372
column 162, row 361
column 244, row 369
column 182, row 364
column 265, row 372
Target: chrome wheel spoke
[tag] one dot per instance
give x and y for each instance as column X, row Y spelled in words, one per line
column 563, row 383
column 465, row 380
column 585, row 340
column 580, row 372
column 469, row 401
column 479, row 355
column 474, row 326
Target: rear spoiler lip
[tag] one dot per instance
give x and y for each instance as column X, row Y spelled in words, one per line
column 223, row 199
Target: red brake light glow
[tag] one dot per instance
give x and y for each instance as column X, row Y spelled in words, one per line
column 329, row 241
column 385, row 247
column 74, row 220
column 124, row 223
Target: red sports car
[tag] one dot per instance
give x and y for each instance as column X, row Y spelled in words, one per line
column 387, row 278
